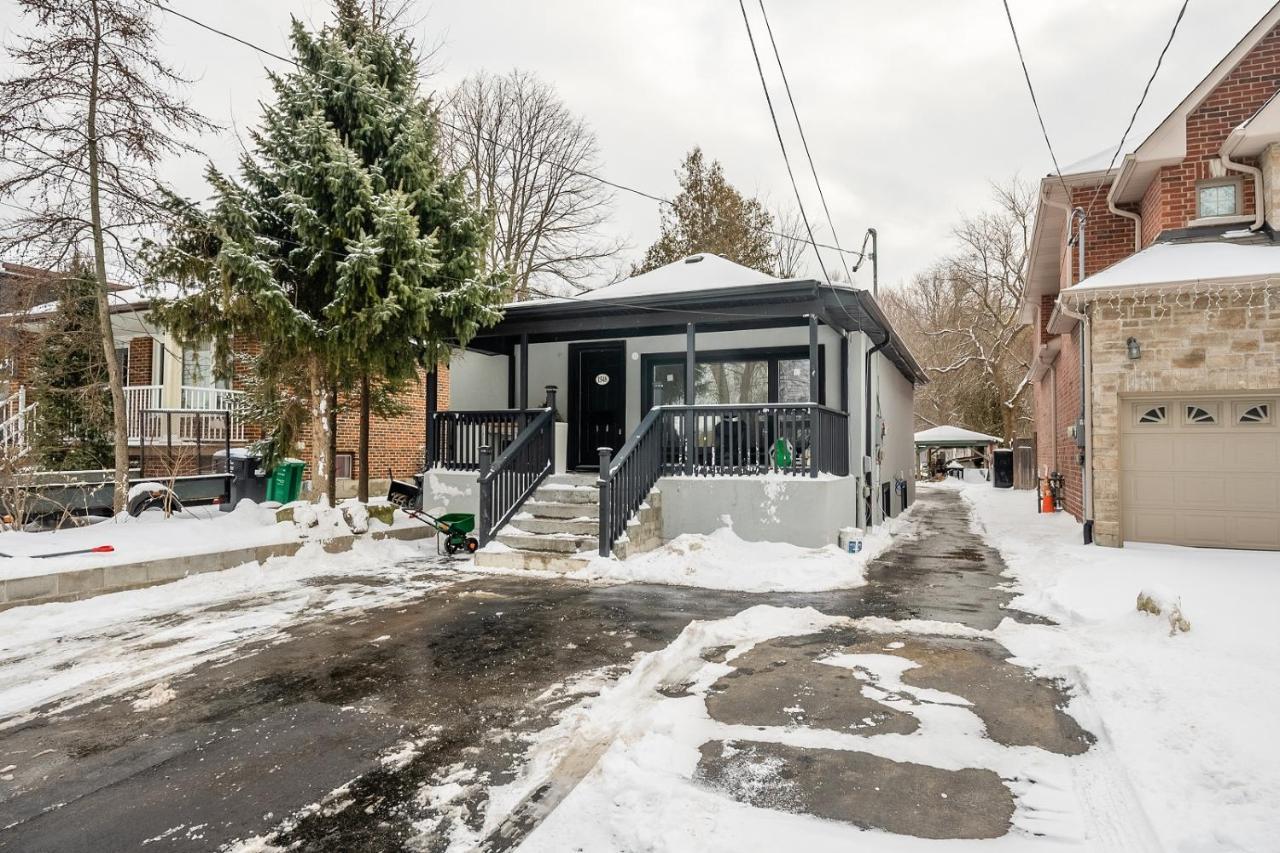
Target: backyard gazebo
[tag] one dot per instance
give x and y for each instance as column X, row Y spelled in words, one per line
column 952, row 437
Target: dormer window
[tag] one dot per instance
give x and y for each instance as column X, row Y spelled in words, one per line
column 1217, row 198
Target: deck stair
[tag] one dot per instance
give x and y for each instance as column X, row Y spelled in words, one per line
column 557, row 529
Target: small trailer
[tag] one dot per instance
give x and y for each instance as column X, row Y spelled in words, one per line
column 186, row 453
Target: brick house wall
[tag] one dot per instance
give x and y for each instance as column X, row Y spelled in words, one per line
column 1237, row 349
column 1170, row 201
column 141, row 350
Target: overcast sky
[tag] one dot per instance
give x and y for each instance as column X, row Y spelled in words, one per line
column 911, row 109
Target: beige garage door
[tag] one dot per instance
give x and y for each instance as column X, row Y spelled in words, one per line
column 1201, row 471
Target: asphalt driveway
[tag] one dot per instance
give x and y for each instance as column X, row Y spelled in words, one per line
column 462, row 673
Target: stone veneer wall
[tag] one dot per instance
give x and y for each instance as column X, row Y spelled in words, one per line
column 1203, row 346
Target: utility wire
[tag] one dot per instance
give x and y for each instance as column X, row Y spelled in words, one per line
column 1035, row 102
column 803, row 139
column 781, row 144
column 1142, row 100
column 547, row 160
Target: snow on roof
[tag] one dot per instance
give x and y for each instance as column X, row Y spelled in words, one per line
column 954, row 435
column 1097, row 162
column 696, row 272
column 1178, row 263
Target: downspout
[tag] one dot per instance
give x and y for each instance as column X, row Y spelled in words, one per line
column 866, row 385
column 1224, row 153
column 1086, row 398
column 1137, row 218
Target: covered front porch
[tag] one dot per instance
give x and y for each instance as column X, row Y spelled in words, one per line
column 754, row 378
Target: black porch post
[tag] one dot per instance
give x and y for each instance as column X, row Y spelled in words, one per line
column 429, row 438
column 814, row 396
column 690, row 395
column 524, row 371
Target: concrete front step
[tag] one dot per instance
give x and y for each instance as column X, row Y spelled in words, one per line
column 543, row 561
column 552, row 509
column 567, row 494
column 590, row 527
column 541, row 542
column 571, row 480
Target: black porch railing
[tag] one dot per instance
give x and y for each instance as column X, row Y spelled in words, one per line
column 507, row 480
column 799, row 439
column 458, row 436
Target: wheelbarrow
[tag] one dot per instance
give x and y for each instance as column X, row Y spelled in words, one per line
column 452, row 528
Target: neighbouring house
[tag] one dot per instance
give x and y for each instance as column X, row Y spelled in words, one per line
column 1152, row 287
column 181, row 415
column 698, row 393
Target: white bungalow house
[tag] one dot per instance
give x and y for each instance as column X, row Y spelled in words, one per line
column 695, row 394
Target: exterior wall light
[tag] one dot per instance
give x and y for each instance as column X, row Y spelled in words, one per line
column 1134, row 348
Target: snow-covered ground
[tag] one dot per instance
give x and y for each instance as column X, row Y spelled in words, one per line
column 151, row 536
column 66, row 654
column 1192, row 716
column 723, row 560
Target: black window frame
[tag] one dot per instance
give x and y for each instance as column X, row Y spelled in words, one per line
column 770, row 355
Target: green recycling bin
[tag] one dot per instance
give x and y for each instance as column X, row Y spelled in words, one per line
column 285, row 483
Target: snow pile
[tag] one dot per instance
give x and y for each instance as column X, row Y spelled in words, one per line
column 1189, row 716
column 723, row 560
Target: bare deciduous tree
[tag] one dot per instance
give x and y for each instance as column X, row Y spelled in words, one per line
column 961, row 319
column 790, row 244
column 526, row 159
column 87, row 115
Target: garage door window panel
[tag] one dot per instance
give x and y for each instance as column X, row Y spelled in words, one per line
column 1253, row 414
column 1148, row 415
column 1200, row 414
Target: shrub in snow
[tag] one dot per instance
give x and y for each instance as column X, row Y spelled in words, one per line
column 1160, row 602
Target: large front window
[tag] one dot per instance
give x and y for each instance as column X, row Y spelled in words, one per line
column 730, row 377
column 197, row 368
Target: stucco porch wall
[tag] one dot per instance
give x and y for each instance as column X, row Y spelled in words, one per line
column 1205, row 345
column 800, row 510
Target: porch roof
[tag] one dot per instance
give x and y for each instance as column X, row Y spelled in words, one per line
column 761, row 303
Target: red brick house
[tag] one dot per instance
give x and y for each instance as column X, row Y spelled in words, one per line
column 161, row 374
column 1152, row 289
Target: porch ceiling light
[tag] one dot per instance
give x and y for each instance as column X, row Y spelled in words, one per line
column 1134, row 348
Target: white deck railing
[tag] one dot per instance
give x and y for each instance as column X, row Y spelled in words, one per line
column 188, row 423
column 16, row 424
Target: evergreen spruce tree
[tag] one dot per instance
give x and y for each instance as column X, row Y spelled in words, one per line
column 343, row 246
column 710, row 215
column 73, row 418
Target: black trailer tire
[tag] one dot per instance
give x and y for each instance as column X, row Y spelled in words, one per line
column 144, row 501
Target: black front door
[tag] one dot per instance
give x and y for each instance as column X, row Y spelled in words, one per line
column 598, row 401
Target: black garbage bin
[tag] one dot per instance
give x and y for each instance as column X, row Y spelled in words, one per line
column 248, row 479
column 1002, row 468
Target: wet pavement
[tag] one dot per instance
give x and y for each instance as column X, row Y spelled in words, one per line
column 468, row 670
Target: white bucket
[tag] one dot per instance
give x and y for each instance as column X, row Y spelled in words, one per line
column 850, row 539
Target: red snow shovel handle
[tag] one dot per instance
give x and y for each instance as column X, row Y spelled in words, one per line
column 101, row 549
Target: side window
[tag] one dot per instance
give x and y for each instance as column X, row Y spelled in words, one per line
column 1217, row 198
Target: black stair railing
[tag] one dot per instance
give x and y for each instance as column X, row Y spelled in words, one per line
column 507, row 481
column 625, row 480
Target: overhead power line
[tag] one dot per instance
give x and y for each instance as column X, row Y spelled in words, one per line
column 803, row 139
column 781, row 144
column 539, row 158
column 1034, row 101
column 1142, row 100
